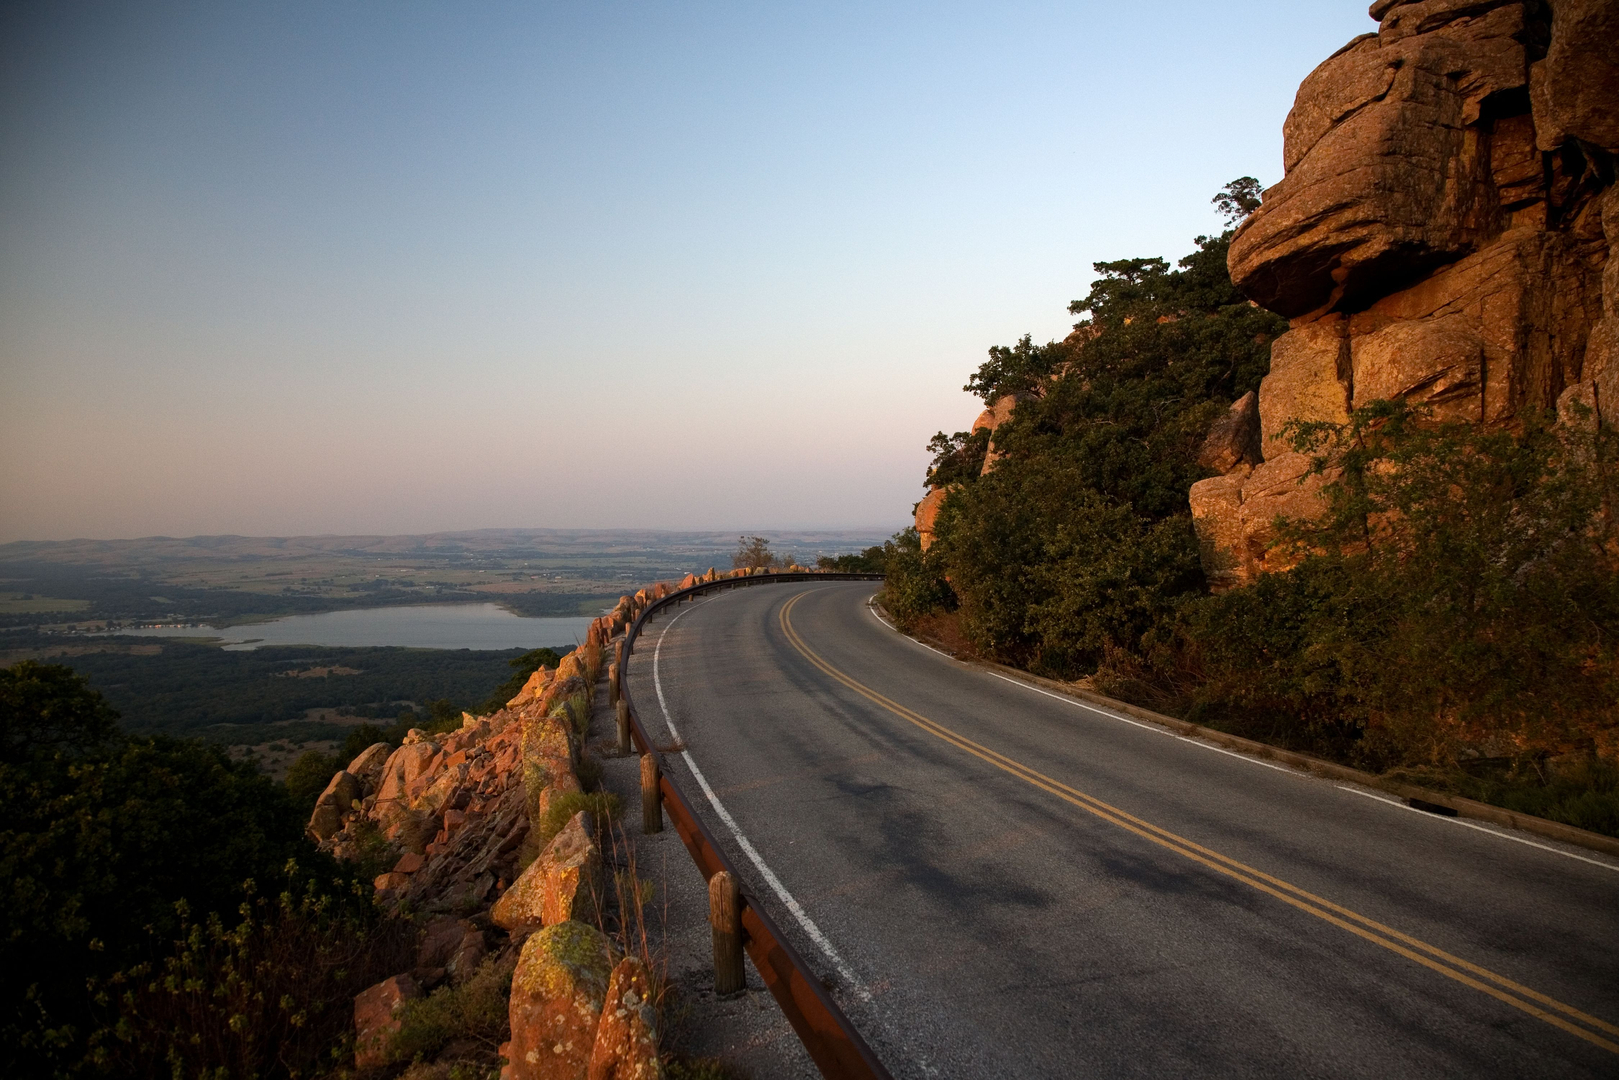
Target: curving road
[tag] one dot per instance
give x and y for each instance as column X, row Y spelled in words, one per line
column 999, row 881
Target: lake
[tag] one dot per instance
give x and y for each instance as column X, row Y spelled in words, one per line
column 420, row 626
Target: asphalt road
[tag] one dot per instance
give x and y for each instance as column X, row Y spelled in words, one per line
column 1002, row 882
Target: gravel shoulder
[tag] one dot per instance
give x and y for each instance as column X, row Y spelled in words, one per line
column 746, row 1032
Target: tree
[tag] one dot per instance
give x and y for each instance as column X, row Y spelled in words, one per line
column 753, row 552
column 1237, row 200
column 104, row 834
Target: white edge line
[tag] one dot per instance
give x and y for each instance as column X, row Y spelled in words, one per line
column 1243, row 757
column 1472, row 825
column 1252, row 760
column 769, row 875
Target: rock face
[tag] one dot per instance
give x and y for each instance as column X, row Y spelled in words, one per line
column 1442, row 234
column 993, row 417
column 1234, row 438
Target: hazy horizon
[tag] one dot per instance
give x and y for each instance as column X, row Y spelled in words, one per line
column 404, row 269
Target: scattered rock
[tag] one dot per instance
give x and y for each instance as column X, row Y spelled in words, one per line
column 469, row 953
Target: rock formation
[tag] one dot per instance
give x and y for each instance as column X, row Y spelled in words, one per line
column 452, row 814
column 1442, row 235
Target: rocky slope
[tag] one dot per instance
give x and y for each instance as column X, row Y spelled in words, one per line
column 1443, row 234
column 461, row 819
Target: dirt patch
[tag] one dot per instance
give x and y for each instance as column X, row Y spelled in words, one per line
column 54, row 652
column 276, row 757
column 942, row 630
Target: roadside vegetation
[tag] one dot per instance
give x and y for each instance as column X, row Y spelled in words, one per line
column 1453, row 619
column 127, row 864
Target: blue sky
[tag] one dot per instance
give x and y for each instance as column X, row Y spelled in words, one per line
column 366, row 267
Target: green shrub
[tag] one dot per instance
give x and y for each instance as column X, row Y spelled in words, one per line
column 309, row 775
column 1463, row 596
column 475, row 1012
column 1077, row 575
column 269, row 995
column 604, row 806
column 873, row 560
column 913, row 583
column 103, row 835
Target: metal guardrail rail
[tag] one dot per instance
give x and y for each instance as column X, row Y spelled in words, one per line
column 834, row 1044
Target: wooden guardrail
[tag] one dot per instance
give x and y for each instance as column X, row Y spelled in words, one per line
column 834, row 1044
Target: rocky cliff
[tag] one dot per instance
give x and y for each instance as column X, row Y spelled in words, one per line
column 1443, row 235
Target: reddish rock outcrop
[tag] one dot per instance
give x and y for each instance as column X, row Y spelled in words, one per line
column 564, row 883
column 927, row 513
column 450, row 813
column 992, row 418
column 333, row 803
column 558, row 991
column 1234, row 438
column 367, row 767
column 1442, row 235
column 627, row 1036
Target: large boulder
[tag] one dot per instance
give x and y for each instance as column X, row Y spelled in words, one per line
column 558, row 990
column 627, row 1035
column 1233, row 439
column 1381, row 183
column 333, row 803
column 367, row 767
column 564, row 883
column 1575, row 88
column 927, row 513
column 376, row 1019
column 404, row 766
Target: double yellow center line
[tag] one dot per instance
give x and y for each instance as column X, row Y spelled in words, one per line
column 1533, row 1002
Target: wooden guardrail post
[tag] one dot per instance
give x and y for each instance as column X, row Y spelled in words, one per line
column 612, row 684
column 651, row 797
column 623, row 726
column 725, row 917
